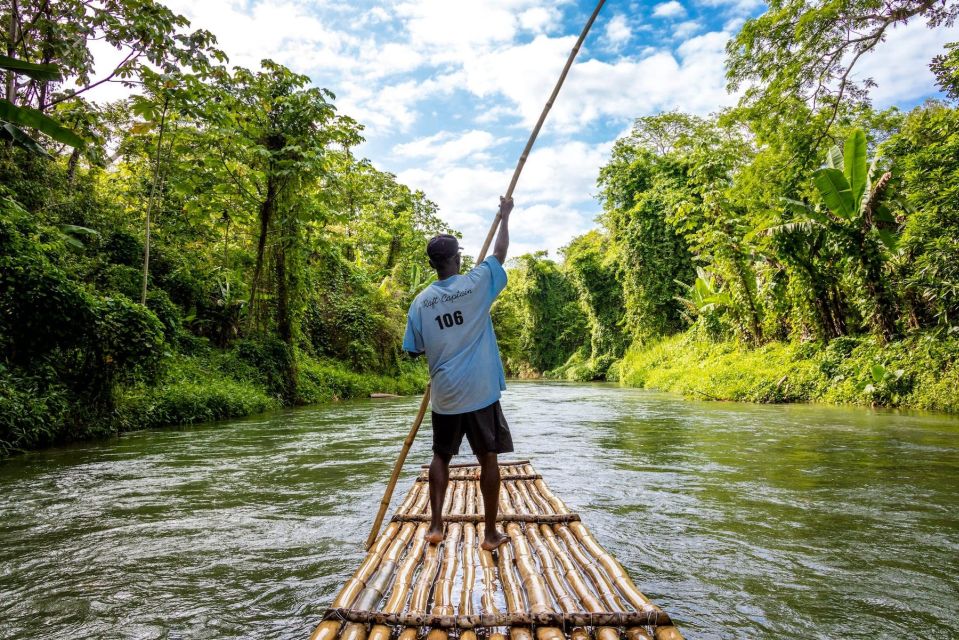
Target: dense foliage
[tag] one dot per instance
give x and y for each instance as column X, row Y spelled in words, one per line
column 210, row 247
column 801, row 246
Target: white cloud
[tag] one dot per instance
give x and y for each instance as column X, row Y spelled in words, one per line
column 617, row 31
column 692, row 79
column 445, row 147
column 900, row 65
column 539, row 19
column 686, row 29
column 735, row 7
column 671, row 9
column 554, row 196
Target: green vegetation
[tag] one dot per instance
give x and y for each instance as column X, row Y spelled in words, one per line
column 802, row 246
column 211, row 247
column 207, row 248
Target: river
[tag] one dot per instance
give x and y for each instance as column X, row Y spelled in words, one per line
column 742, row 521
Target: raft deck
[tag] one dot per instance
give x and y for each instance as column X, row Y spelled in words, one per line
column 552, row 579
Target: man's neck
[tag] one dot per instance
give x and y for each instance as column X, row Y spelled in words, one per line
column 443, row 274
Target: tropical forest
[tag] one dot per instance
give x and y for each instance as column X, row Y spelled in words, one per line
column 211, row 246
column 728, row 405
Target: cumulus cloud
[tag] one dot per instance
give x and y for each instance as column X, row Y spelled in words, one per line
column 686, row 28
column 900, row 65
column 447, row 147
column 671, row 9
column 554, row 197
column 617, row 31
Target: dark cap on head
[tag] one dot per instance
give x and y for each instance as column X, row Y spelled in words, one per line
column 442, row 247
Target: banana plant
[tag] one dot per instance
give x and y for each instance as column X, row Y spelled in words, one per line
column 703, row 295
column 857, row 220
column 13, row 118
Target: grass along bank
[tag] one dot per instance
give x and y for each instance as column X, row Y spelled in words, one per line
column 208, row 384
column 920, row 371
column 218, row 385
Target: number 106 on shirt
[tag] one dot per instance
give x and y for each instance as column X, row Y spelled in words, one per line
column 449, row 319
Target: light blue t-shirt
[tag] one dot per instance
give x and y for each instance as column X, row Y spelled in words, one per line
column 450, row 321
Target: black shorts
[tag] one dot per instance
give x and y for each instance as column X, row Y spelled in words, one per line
column 485, row 429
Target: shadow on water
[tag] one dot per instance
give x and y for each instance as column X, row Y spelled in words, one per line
column 742, row 521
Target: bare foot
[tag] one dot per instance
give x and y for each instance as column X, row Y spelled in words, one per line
column 494, row 541
column 435, row 535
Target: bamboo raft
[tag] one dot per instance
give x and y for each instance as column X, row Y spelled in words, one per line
column 551, row 580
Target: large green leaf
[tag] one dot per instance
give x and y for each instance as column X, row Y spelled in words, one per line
column 30, row 117
column 21, row 139
column 834, row 158
column 855, row 165
column 35, row 71
column 835, row 192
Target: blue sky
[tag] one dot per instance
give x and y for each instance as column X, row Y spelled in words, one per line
column 449, row 89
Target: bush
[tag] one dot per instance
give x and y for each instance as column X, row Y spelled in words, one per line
column 921, row 371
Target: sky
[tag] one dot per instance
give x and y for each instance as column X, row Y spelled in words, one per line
column 448, row 90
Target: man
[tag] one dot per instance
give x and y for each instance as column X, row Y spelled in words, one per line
column 450, row 322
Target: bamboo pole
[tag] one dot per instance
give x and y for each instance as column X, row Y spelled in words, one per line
column 398, row 466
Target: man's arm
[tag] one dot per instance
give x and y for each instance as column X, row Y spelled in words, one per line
column 502, row 237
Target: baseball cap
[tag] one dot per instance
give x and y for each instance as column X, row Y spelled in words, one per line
column 442, row 247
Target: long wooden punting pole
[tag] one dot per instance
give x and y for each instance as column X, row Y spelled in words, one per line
column 424, row 403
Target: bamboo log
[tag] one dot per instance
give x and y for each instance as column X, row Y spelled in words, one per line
column 668, row 632
column 541, row 502
column 377, row 584
column 524, row 619
column 421, row 591
column 558, row 506
column 402, row 584
column 532, row 582
column 531, row 505
column 517, row 499
column 503, row 477
column 501, row 517
column 613, row 568
column 553, row 578
column 515, row 598
column 505, row 504
column 474, row 465
column 488, row 600
column 600, row 582
column 637, row 633
column 329, row 629
column 469, row 570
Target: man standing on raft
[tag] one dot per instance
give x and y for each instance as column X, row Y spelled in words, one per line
column 450, row 322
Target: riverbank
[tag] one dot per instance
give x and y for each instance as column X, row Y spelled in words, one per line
column 209, row 384
column 920, row 372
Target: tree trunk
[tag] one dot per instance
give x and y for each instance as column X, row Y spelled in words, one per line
column 267, row 209
column 12, row 29
column 153, row 190
column 284, row 317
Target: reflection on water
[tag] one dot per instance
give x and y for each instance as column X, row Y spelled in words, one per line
column 742, row 521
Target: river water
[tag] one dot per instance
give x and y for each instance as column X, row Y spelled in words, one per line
column 742, row 521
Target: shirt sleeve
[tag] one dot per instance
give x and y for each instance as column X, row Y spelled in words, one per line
column 489, row 276
column 413, row 339
column 498, row 274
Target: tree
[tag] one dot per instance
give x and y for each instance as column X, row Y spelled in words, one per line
column 857, row 217
column 807, row 51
